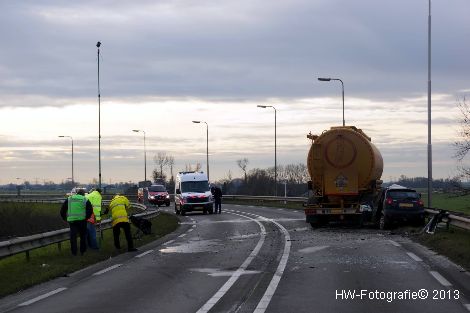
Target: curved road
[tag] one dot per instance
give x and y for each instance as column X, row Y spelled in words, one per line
column 256, row 259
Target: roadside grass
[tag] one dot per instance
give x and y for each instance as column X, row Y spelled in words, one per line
column 449, row 202
column 49, row 262
column 453, row 243
column 28, row 218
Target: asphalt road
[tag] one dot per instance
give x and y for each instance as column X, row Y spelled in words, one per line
column 255, row 259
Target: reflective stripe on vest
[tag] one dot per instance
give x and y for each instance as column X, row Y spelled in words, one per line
column 76, row 208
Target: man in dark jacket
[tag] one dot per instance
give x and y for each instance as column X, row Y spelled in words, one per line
column 217, row 193
column 76, row 209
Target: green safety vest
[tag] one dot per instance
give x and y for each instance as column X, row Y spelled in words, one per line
column 95, row 199
column 76, row 208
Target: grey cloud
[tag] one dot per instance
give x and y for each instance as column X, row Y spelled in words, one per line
column 234, row 49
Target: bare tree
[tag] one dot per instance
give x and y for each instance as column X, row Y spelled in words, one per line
column 243, row 163
column 463, row 145
column 198, row 167
column 162, row 160
column 171, row 163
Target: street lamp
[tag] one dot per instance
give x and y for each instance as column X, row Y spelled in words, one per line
column 429, row 111
column 73, row 181
column 145, row 154
column 323, row 79
column 275, row 145
column 207, row 144
column 98, row 44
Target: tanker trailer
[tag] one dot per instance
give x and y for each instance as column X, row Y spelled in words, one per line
column 345, row 170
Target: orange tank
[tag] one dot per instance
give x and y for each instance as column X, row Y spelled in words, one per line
column 343, row 162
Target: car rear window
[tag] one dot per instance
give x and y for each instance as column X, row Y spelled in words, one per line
column 403, row 195
column 157, row 188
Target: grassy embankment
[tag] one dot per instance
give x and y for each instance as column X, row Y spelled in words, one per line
column 449, row 202
column 49, row 262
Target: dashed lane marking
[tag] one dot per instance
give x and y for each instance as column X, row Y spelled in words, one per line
column 190, row 230
column 169, row 242
column 414, row 257
column 467, row 306
column 223, row 290
column 51, row 293
column 440, row 279
column 107, row 269
column 396, row 244
column 145, row 253
column 182, row 235
column 194, row 226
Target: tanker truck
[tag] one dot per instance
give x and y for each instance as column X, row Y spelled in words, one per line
column 345, row 170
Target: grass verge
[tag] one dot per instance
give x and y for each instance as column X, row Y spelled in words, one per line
column 49, row 262
column 453, row 243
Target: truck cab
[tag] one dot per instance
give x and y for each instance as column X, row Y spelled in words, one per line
column 192, row 193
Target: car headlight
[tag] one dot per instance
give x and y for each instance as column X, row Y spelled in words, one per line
column 167, row 196
column 151, row 197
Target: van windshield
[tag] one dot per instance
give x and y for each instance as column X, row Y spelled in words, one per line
column 403, row 194
column 195, row 186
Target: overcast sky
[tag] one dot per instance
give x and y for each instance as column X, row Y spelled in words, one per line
column 166, row 63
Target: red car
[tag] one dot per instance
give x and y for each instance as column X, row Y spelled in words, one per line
column 158, row 195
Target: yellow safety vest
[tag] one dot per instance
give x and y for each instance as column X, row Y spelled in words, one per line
column 118, row 207
column 95, row 199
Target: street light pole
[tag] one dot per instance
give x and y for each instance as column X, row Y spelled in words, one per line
column 73, row 180
column 323, row 79
column 429, row 111
column 275, row 144
column 98, row 44
column 145, row 154
column 207, row 144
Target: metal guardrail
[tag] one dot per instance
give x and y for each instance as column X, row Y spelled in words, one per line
column 453, row 219
column 26, row 244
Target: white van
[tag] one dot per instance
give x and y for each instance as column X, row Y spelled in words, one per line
column 192, row 193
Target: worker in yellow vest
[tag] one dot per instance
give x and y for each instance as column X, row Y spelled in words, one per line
column 95, row 199
column 76, row 209
column 118, row 207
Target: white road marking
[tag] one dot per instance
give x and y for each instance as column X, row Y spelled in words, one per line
column 168, row 242
column 280, row 209
column 145, row 253
column 295, row 211
column 190, row 230
column 264, row 302
column 51, row 293
column 182, row 235
column 396, row 244
column 467, row 306
column 194, row 226
column 107, row 269
column 414, row 257
column 440, row 279
column 223, row 290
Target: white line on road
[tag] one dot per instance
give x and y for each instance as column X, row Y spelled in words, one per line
column 182, row 235
column 190, row 230
column 440, row 279
column 467, row 306
column 168, row 242
column 107, row 269
column 145, row 253
column 414, row 257
column 396, row 244
column 280, row 209
column 194, row 226
column 264, row 302
column 53, row 292
column 295, row 211
column 223, row 290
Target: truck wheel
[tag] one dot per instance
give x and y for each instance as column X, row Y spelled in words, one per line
column 168, row 203
column 384, row 223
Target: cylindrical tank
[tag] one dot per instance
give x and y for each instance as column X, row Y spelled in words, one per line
column 343, row 161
